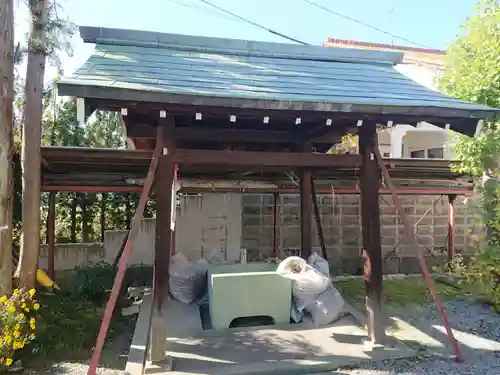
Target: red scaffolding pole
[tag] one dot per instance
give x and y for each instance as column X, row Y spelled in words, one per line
column 423, row 265
column 122, row 266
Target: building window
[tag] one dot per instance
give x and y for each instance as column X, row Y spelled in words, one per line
column 387, row 154
column 435, row 153
column 419, row 154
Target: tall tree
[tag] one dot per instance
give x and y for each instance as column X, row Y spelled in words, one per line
column 6, row 146
column 472, row 73
column 31, row 139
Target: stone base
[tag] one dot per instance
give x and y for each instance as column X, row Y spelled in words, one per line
column 159, row 367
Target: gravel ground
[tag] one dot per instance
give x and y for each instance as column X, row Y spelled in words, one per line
column 477, row 322
column 113, row 358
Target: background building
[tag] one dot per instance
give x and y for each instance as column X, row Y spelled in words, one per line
column 403, row 140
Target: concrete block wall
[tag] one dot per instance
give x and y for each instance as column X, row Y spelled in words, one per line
column 341, row 221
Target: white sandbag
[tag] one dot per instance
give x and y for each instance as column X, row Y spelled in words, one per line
column 187, row 279
column 318, row 263
column 307, row 282
column 326, row 307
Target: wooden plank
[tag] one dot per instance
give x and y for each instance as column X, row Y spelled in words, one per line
column 370, row 219
column 163, row 245
column 138, row 349
column 245, row 159
column 51, row 235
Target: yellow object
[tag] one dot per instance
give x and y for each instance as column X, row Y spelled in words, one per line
column 45, row 280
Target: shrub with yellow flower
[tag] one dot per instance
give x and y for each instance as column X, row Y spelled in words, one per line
column 17, row 323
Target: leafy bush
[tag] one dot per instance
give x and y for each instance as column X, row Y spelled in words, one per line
column 482, row 272
column 92, row 282
column 18, row 314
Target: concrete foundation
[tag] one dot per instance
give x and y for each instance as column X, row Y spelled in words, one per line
column 281, row 349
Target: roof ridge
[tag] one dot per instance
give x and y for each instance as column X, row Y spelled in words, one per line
column 240, row 47
column 384, row 46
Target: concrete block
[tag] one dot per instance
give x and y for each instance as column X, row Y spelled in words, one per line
column 246, row 290
column 352, row 266
column 390, row 266
column 409, row 265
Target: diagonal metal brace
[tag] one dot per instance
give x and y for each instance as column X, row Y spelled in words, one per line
column 418, row 250
column 389, row 253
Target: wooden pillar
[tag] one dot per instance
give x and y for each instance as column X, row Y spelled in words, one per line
column 370, row 219
column 305, row 214
column 319, row 226
column 51, row 234
column 451, row 226
column 276, row 220
column 163, row 244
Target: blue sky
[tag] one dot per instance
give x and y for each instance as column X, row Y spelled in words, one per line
column 431, row 23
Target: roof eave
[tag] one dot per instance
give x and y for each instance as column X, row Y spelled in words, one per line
column 423, row 112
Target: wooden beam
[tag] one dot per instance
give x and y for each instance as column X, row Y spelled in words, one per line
column 370, row 219
column 51, row 235
column 163, row 243
column 305, row 214
column 210, row 134
column 451, row 226
column 276, row 220
column 317, row 217
column 260, row 160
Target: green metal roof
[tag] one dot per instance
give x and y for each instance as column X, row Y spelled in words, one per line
column 180, row 69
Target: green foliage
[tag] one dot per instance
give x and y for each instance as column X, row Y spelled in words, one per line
column 482, row 273
column 406, row 292
column 91, row 283
column 473, row 74
column 18, row 313
column 80, row 217
column 70, row 319
column 473, row 68
column 68, row 325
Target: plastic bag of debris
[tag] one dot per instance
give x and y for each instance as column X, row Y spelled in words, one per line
column 318, row 263
column 187, row 279
column 312, row 289
column 326, row 307
column 307, row 282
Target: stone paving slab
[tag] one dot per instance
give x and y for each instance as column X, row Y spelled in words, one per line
column 288, row 349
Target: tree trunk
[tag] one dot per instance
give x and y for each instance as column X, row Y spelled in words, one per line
column 6, row 186
column 104, row 199
column 128, row 211
column 85, row 219
column 74, row 205
column 30, row 155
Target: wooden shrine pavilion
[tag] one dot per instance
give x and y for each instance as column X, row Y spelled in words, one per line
column 235, row 110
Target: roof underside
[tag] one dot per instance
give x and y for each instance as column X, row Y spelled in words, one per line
column 67, row 168
column 176, row 69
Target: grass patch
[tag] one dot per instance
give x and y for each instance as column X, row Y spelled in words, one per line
column 70, row 319
column 410, row 291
